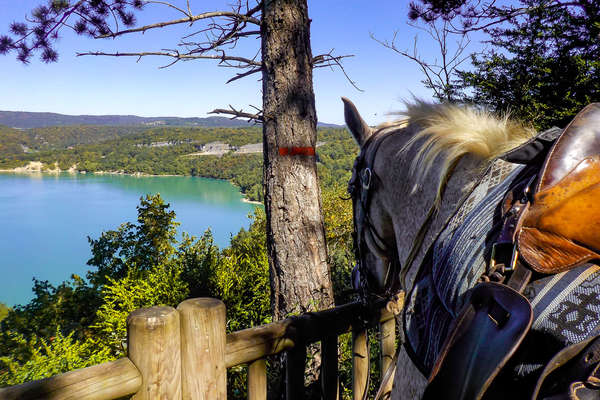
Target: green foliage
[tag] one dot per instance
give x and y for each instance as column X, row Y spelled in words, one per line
column 69, row 307
column 50, row 356
column 337, row 214
column 3, row 311
column 543, row 67
column 241, row 278
column 142, row 246
column 161, row 285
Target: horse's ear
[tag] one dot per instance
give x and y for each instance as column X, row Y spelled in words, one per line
column 357, row 126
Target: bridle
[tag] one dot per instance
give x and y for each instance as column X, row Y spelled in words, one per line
column 360, row 188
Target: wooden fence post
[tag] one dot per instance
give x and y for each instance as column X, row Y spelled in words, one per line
column 204, row 374
column 329, row 368
column 154, row 347
column 295, row 366
column 360, row 363
column 387, row 343
column 257, row 380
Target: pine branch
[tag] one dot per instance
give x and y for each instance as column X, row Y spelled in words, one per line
column 480, row 15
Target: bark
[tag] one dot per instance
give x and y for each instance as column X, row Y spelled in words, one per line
column 300, row 276
column 300, row 279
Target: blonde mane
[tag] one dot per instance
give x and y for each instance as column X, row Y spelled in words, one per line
column 452, row 131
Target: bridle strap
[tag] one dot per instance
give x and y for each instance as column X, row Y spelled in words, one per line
column 360, row 189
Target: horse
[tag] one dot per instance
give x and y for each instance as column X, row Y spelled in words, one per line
column 418, row 184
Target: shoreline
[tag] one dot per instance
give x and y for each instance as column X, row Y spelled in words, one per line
column 245, row 200
column 37, row 167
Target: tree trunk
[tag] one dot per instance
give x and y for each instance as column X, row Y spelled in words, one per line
column 300, row 278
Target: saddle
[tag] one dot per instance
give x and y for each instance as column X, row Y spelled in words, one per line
column 551, row 223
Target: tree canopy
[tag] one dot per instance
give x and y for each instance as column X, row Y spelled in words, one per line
column 543, row 59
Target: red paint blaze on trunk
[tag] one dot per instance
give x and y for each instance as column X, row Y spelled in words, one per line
column 296, row 151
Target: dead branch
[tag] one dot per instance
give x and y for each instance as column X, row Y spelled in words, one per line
column 222, row 58
column 224, row 33
column 438, row 76
column 186, row 13
column 255, row 118
column 332, row 61
column 223, row 28
column 189, row 19
column 244, row 74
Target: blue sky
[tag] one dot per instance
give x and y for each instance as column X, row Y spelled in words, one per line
column 106, row 85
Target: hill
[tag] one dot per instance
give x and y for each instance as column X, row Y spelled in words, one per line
column 27, row 120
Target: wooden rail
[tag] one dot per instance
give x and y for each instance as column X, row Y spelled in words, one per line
column 183, row 353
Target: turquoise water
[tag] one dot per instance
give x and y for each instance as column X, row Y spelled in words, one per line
column 45, row 219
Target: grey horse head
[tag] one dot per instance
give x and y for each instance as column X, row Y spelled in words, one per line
column 410, row 177
column 374, row 272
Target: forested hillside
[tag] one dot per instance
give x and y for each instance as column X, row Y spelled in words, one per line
column 164, row 151
column 25, row 120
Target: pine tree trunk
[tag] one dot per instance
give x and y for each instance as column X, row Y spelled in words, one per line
column 300, row 279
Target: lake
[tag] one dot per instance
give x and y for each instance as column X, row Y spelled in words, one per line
column 45, row 219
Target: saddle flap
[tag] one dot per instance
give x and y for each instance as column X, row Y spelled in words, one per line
column 561, row 228
column 485, row 336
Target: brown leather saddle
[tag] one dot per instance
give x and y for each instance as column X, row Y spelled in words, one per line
column 561, row 228
column 551, row 223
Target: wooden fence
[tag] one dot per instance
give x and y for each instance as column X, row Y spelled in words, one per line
column 184, row 353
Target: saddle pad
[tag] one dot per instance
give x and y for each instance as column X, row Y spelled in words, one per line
column 459, row 255
column 566, row 306
column 456, row 263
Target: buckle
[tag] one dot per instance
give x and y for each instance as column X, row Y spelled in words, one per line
column 504, row 253
column 366, row 178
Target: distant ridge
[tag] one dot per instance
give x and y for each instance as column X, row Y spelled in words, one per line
column 26, row 120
